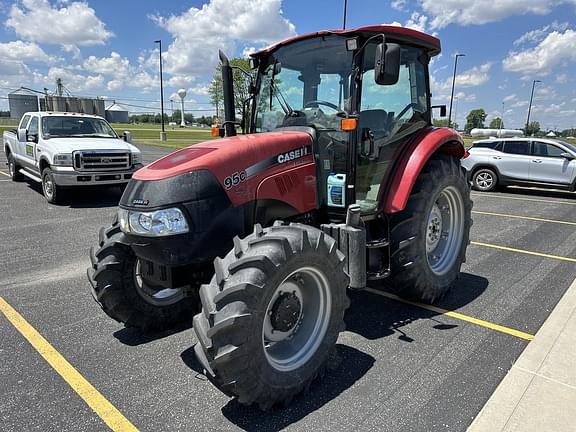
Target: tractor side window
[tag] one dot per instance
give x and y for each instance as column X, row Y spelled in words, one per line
column 389, row 114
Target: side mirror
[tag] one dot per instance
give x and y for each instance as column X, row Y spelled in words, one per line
column 568, row 156
column 127, row 136
column 442, row 109
column 22, row 135
column 387, row 63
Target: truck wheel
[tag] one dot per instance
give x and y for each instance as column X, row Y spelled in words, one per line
column 118, row 287
column 52, row 192
column 272, row 314
column 484, row 180
column 13, row 168
column 429, row 238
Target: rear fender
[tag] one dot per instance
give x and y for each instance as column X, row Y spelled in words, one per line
column 408, row 167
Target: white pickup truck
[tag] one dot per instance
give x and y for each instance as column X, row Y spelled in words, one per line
column 62, row 150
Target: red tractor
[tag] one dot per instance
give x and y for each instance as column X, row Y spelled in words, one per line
column 340, row 181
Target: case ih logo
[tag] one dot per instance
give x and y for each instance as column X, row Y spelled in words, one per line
column 291, row 155
column 141, row 202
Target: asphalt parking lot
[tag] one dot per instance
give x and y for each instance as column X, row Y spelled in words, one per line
column 402, row 367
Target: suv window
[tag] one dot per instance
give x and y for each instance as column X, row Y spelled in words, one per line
column 517, row 147
column 546, row 150
column 494, row 145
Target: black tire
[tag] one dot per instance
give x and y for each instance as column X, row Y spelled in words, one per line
column 13, row 169
column 415, row 272
column 52, row 192
column 118, row 291
column 484, row 180
column 239, row 301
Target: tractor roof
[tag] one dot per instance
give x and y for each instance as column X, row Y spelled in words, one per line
column 401, row 34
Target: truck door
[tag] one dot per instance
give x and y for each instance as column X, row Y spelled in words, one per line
column 30, row 156
column 548, row 166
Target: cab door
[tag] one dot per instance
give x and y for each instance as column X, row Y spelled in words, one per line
column 548, row 166
column 30, row 152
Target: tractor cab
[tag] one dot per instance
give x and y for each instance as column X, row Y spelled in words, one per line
column 362, row 93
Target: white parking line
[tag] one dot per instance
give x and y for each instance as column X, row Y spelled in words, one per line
column 489, row 195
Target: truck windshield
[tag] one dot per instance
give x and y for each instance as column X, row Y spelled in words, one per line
column 67, row 126
column 306, row 83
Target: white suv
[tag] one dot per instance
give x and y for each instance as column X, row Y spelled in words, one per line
column 538, row 162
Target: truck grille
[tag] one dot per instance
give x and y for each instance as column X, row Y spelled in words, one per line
column 107, row 160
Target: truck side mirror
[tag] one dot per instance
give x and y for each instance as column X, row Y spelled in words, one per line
column 442, row 109
column 22, row 135
column 387, row 63
column 568, row 156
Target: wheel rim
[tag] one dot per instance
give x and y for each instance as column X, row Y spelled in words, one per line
column 11, row 167
column 296, row 319
column 484, row 180
column 157, row 297
column 48, row 186
column 445, row 230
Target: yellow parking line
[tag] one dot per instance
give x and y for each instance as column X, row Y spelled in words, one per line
column 524, row 217
column 489, row 195
column 6, row 174
column 524, row 251
column 457, row 315
column 107, row 412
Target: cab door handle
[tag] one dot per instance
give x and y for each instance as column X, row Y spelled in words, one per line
column 537, row 160
column 497, row 157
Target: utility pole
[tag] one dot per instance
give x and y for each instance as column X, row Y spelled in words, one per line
column 163, row 132
column 453, row 83
column 530, row 105
column 345, row 10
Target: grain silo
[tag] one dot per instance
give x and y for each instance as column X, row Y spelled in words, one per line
column 99, row 109
column 87, row 106
column 22, row 101
column 116, row 113
column 72, row 104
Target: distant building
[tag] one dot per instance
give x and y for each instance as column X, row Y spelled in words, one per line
column 116, row 113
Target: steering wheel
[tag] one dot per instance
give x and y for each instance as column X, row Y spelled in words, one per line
column 406, row 108
column 315, row 103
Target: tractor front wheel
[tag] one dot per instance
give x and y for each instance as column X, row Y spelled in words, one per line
column 430, row 237
column 272, row 314
column 118, row 287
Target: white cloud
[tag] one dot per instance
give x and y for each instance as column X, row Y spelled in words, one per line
column 509, row 98
column 75, row 82
column 63, row 23
column 199, row 33
column 474, row 12
column 113, row 65
column 556, row 48
column 562, row 78
column 24, row 52
column 417, row 21
column 399, row 5
column 535, row 36
column 476, row 76
column 519, row 104
column 247, row 51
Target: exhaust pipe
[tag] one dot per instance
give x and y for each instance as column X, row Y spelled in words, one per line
column 228, row 88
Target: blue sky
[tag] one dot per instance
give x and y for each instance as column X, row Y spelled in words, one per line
column 105, row 48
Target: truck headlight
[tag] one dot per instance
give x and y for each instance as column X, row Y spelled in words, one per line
column 62, row 160
column 136, row 158
column 157, row 223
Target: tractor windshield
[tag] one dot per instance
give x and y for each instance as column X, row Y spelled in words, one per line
column 305, row 84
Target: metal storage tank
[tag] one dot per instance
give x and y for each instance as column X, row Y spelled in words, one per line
column 72, row 104
column 99, row 109
column 56, row 103
column 116, row 113
column 21, row 101
column 87, row 106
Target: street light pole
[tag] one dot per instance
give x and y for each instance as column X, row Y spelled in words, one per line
column 530, row 105
column 345, row 9
column 163, row 132
column 453, row 83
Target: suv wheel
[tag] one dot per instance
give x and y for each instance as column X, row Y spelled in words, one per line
column 484, row 180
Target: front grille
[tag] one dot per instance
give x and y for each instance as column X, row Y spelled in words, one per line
column 108, row 160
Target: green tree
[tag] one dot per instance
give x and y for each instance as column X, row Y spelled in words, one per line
column 496, row 123
column 532, row 129
column 241, row 85
column 444, row 123
column 475, row 119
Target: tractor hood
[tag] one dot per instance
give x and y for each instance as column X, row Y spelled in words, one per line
column 235, row 165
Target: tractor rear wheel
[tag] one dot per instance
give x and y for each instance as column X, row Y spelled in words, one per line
column 430, row 237
column 272, row 314
column 118, row 287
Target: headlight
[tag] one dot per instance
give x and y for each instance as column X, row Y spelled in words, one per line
column 157, row 223
column 136, row 158
column 63, row 160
